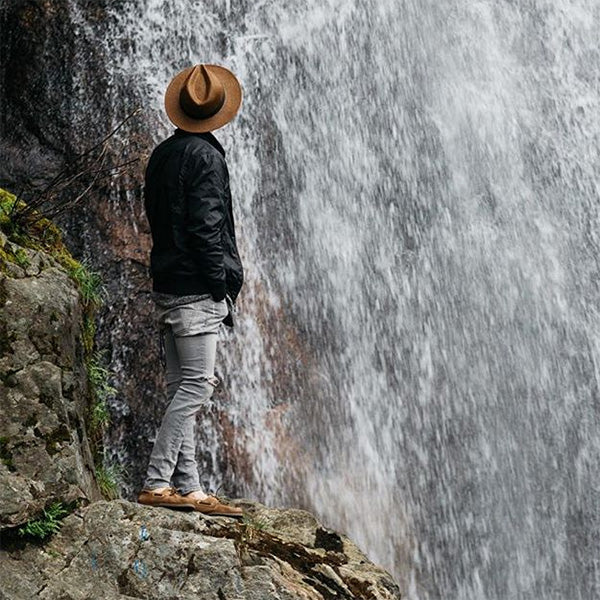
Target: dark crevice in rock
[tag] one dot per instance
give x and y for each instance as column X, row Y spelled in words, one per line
column 6, row 339
column 14, row 543
column 6, row 455
column 56, row 438
column 328, row 540
column 126, row 587
column 31, row 420
column 297, row 556
column 3, row 292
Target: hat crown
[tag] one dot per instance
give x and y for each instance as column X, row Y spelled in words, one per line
column 202, row 94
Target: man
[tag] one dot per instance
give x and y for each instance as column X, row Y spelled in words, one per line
column 196, row 270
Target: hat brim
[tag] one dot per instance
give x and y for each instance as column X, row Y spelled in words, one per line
column 233, row 100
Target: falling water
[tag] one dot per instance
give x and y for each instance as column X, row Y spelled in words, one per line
column 415, row 190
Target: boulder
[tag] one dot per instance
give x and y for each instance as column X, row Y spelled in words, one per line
column 123, row 550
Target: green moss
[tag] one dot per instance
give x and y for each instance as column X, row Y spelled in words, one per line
column 21, row 258
column 7, row 202
column 39, row 233
column 7, row 256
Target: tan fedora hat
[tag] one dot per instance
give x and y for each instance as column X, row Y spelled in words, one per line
column 203, row 97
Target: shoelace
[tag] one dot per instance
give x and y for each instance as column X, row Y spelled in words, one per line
column 174, row 491
column 165, row 492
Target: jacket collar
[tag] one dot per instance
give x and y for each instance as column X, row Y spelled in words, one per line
column 207, row 135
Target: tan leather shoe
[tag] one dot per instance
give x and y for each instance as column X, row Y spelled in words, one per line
column 166, row 497
column 211, row 505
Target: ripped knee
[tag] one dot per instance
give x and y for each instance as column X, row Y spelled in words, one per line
column 211, row 379
column 192, row 383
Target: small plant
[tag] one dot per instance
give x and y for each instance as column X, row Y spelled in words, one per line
column 98, row 377
column 47, row 524
column 108, row 478
column 89, row 333
column 100, row 418
column 21, row 258
column 252, row 523
column 90, row 283
column 249, row 527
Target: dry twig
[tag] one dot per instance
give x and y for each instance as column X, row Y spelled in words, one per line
column 88, row 168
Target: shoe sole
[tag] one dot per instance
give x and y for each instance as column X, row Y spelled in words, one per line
column 191, row 508
column 209, row 514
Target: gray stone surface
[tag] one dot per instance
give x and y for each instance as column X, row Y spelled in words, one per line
column 123, row 550
column 44, row 454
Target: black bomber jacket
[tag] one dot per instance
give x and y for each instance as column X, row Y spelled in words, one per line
column 188, row 205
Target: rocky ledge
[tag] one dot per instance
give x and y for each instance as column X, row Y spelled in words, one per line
column 122, row 550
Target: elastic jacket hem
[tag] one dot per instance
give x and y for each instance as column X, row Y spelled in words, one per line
column 180, row 285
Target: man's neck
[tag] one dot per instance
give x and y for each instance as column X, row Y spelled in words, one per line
column 206, row 135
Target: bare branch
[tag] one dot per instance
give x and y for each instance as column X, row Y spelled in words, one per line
column 89, row 166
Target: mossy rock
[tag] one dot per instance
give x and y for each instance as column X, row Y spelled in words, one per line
column 34, row 232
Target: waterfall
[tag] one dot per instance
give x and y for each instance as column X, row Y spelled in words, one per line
column 417, row 343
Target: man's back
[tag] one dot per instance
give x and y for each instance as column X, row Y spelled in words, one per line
column 188, row 205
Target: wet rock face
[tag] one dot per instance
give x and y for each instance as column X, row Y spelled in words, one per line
column 127, row 550
column 42, row 83
column 44, row 454
column 57, row 101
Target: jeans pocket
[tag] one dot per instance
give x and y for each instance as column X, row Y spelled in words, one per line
column 217, row 309
column 180, row 318
column 222, row 308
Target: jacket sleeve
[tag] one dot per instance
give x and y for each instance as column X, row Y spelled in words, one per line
column 206, row 206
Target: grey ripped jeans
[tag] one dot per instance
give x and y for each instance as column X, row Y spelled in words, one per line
column 189, row 337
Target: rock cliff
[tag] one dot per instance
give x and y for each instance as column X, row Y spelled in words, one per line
column 117, row 549
column 123, row 550
column 44, row 395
